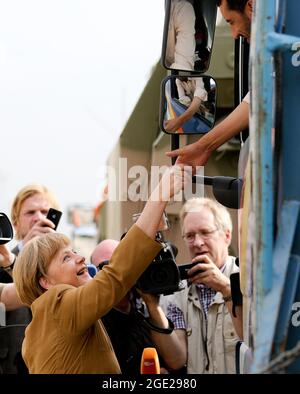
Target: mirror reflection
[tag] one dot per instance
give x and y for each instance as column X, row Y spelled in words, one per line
column 189, row 34
column 188, row 104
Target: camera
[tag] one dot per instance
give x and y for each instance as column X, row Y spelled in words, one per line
column 162, row 276
column 6, row 230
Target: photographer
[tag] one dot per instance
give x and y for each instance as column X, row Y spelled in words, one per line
column 65, row 334
column 133, row 325
column 29, row 211
column 201, row 313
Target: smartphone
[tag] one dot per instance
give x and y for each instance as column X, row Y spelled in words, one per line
column 54, row 215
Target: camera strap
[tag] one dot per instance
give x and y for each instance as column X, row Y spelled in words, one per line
column 146, row 321
column 153, row 327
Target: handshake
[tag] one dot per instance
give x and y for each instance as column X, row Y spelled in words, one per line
column 174, row 180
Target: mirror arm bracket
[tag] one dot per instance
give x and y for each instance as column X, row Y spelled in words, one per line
column 174, row 145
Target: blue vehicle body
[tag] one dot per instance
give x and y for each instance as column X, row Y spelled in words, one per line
column 274, row 162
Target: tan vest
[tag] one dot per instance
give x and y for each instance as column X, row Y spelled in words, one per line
column 211, row 344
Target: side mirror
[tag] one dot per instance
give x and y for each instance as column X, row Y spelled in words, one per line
column 189, row 34
column 188, row 104
column 6, row 230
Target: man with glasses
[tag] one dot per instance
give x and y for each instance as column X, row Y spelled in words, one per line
column 201, row 313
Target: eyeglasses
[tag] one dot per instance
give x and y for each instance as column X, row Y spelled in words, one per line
column 204, row 234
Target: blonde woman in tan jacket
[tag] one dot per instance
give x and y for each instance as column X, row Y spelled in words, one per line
column 66, row 334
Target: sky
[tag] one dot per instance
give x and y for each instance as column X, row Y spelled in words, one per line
column 71, row 72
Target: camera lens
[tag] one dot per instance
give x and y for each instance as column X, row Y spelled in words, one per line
column 162, row 274
column 161, row 277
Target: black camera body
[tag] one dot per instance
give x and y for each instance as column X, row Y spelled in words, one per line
column 164, row 276
column 6, row 230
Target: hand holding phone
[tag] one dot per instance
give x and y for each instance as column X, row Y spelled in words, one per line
column 54, row 215
column 183, row 269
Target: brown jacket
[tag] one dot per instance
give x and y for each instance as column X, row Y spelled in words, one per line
column 66, row 335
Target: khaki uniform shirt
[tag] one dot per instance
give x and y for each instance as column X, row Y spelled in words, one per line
column 211, row 342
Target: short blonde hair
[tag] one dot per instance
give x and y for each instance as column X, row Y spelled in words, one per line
column 29, row 191
column 33, row 263
column 220, row 213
